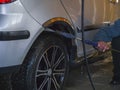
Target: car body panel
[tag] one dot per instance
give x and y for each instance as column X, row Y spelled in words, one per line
column 44, row 10
column 13, row 17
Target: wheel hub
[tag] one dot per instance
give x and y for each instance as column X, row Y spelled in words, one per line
column 49, row 72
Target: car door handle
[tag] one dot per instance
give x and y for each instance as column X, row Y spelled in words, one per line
column 106, row 23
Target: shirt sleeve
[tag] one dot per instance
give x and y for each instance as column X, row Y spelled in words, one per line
column 107, row 33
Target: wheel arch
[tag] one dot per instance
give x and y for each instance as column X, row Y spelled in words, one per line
column 62, row 25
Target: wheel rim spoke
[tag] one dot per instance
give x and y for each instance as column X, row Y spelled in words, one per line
column 53, row 55
column 43, row 84
column 56, row 84
column 61, row 57
column 59, row 72
column 45, row 57
column 49, row 84
column 41, row 73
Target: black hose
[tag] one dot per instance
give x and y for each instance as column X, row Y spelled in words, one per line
column 84, row 48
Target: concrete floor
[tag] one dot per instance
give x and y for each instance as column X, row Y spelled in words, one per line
column 101, row 73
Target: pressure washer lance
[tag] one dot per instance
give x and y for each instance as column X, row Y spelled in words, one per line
column 70, row 36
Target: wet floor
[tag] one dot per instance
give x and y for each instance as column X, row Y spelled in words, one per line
column 101, row 73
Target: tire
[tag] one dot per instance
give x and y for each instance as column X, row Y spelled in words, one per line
column 45, row 67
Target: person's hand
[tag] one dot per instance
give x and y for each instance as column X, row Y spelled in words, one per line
column 103, row 46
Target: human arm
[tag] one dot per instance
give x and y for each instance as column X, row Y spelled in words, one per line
column 105, row 35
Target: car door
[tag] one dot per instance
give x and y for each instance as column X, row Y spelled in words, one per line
column 96, row 14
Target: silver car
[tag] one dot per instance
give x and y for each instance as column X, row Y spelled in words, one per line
column 32, row 45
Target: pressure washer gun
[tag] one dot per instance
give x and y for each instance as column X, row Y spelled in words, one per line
column 89, row 42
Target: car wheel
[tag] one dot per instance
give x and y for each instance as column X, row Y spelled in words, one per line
column 45, row 67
